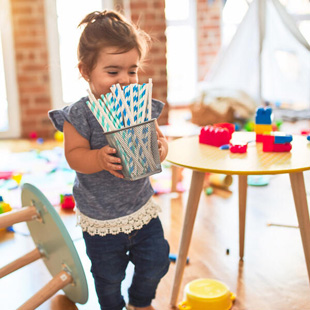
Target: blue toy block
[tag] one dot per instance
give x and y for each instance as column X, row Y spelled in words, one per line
column 283, row 139
column 173, row 258
column 263, row 116
column 308, row 137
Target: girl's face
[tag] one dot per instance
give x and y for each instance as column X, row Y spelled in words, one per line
column 113, row 68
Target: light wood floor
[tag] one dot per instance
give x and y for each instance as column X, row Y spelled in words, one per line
column 272, row 276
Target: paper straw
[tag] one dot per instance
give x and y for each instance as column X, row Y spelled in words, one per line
column 140, row 103
column 149, row 106
column 125, row 107
column 145, row 103
column 97, row 105
column 98, row 116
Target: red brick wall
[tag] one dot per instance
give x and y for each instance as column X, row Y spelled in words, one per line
column 32, row 54
column 208, row 34
column 150, row 16
column 32, row 66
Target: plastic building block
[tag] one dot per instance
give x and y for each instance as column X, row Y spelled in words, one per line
column 67, row 201
column 308, row 137
column 305, row 132
column 229, row 126
column 281, row 139
column 259, row 137
column 263, row 116
column 215, row 136
column 270, row 146
column 238, row 148
column 4, row 207
column 5, row 175
column 261, row 128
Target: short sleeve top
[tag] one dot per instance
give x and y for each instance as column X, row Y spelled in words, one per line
column 101, row 195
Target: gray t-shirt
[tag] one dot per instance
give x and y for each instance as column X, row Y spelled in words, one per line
column 101, row 195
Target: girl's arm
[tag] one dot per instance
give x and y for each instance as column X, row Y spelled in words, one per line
column 162, row 143
column 84, row 160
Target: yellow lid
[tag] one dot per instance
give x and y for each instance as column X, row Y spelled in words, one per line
column 202, row 289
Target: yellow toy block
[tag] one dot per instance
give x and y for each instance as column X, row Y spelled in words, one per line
column 261, row 129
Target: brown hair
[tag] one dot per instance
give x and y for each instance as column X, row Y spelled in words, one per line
column 109, row 29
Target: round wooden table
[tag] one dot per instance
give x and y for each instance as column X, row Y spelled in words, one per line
column 201, row 158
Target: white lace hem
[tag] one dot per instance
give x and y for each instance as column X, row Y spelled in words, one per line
column 125, row 224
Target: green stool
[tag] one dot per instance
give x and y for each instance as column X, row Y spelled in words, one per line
column 53, row 244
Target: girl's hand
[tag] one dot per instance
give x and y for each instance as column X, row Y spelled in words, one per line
column 162, row 148
column 109, row 162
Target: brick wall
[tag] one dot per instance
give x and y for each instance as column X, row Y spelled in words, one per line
column 32, row 55
column 31, row 65
column 208, row 34
column 150, row 16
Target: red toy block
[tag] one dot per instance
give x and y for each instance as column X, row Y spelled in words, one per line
column 259, row 137
column 230, row 127
column 67, row 201
column 238, row 148
column 305, row 132
column 270, row 146
column 215, row 136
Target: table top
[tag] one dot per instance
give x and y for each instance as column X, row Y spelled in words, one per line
column 189, row 153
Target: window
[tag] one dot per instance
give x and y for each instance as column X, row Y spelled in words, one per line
column 63, row 18
column 181, row 51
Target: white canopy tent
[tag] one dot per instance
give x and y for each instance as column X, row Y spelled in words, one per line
column 268, row 58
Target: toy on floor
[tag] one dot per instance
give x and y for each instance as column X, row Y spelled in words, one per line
column 67, row 201
column 59, row 136
column 202, row 294
column 217, row 184
column 173, row 258
column 53, row 244
column 216, row 135
column 5, row 207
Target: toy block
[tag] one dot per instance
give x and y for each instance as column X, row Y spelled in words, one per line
column 67, row 201
column 270, row 146
column 281, row 139
column 214, row 136
column 263, row 115
column 238, row 148
column 229, row 126
column 259, row 137
column 308, row 137
column 305, row 132
column 262, row 128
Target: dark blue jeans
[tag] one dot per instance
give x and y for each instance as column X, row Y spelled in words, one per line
column 146, row 248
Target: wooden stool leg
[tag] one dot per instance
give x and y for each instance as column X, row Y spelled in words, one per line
column 243, row 185
column 20, row 262
column 58, row 282
column 23, row 215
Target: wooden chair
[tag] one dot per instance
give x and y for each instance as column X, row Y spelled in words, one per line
column 53, row 245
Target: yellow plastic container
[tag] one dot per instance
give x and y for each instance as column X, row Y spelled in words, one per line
column 207, row 294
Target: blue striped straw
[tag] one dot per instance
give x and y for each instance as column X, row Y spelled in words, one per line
column 142, row 92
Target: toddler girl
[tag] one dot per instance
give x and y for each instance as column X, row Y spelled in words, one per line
column 118, row 217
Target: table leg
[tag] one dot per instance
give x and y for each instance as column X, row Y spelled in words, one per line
column 176, row 173
column 243, row 186
column 188, row 224
column 301, row 205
